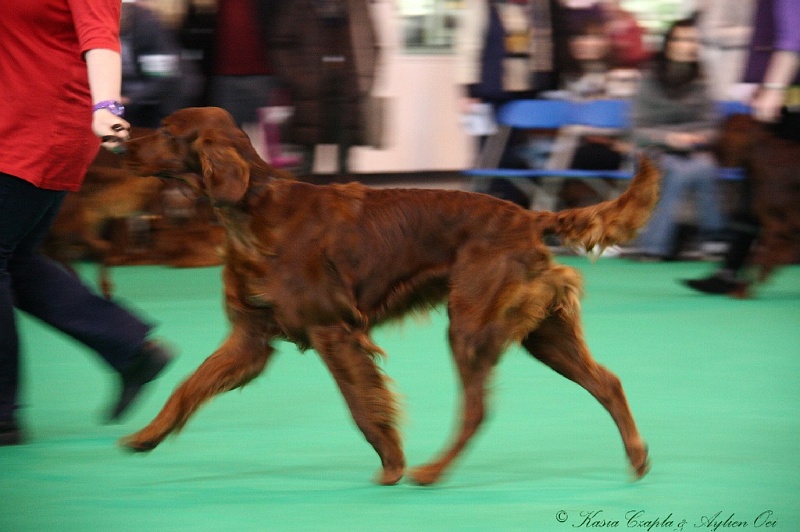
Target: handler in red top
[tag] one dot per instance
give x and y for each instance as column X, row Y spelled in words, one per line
column 60, row 77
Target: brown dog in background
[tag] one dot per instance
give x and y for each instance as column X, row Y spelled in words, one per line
column 322, row 265
column 772, row 167
column 180, row 229
column 108, row 193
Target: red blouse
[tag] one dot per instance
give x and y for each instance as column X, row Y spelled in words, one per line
column 46, row 133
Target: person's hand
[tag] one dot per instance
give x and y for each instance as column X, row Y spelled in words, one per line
column 112, row 129
column 684, row 141
column 468, row 104
column 767, row 103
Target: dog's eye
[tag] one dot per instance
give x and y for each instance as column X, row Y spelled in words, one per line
column 170, row 139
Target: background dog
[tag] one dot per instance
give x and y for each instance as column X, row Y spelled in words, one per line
column 82, row 229
column 121, row 218
column 772, row 188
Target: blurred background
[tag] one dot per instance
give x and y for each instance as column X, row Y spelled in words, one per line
column 421, row 127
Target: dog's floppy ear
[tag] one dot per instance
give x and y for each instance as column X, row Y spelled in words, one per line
column 226, row 174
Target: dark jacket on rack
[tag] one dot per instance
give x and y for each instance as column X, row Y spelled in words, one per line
column 325, row 54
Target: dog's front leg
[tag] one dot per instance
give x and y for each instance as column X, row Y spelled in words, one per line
column 349, row 357
column 240, row 359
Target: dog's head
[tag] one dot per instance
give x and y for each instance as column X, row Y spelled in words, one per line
column 201, row 146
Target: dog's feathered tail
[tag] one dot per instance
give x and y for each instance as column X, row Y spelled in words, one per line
column 616, row 221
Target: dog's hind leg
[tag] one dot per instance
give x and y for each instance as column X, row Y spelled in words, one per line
column 240, row 359
column 477, row 340
column 558, row 342
column 475, row 361
column 349, row 357
column 489, row 309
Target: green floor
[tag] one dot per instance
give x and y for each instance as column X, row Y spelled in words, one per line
column 713, row 383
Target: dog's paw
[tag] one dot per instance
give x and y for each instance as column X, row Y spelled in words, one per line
column 133, row 444
column 426, row 475
column 642, row 466
column 641, row 471
column 390, row 476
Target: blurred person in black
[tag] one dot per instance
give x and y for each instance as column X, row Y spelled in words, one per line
column 326, row 56
column 774, row 63
column 675, row 117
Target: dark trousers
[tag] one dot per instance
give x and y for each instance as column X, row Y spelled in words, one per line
column 42, row 288
column 338, row 118
column 745, row 226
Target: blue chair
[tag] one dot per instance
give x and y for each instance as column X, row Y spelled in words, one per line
column 552, row 115
column 520, row 114
column 535, row 114
column 610, row 114
column 733, row 107
column 606, row 117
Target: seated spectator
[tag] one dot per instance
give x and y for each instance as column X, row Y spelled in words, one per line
column 591, row 70
column 625, row 35
column 675, row 116
column 590, row 73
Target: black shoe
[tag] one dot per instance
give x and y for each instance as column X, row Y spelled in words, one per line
column 10, row 433
column 716, row 285
column 153, row 358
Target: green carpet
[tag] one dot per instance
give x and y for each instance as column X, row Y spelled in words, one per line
column 713, row 384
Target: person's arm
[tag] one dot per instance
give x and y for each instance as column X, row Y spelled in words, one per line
column 105, row 80
column 784, row 63
column 769, row 98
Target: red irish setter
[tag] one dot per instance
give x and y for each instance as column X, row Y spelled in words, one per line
column 322, row 265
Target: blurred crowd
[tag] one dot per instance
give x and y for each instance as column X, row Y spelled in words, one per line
column 302, row 73
column 680, row 86
column 256, row 59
